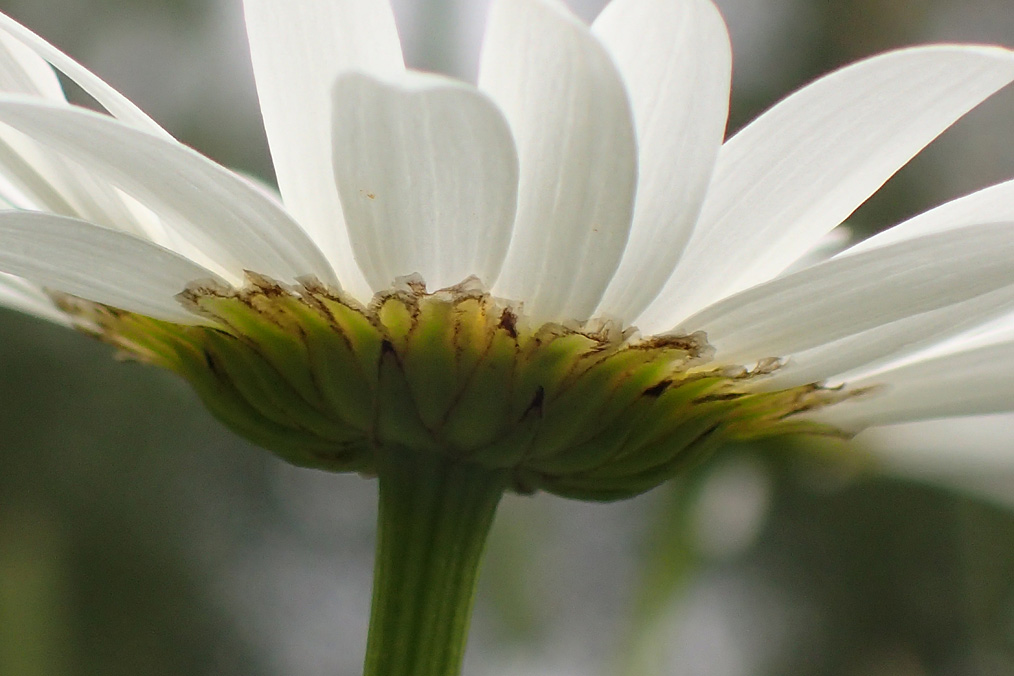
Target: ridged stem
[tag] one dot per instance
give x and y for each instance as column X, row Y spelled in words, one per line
column 433, row 521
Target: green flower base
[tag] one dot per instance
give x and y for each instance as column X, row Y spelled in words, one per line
column 586, row 410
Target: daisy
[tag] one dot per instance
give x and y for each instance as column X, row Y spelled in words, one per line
column 560, row 279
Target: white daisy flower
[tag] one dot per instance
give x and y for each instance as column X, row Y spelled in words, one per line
column 559, row 279
column 580, row 190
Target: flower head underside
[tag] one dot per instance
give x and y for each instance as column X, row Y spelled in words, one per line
column 583, row 410
column 564, row 271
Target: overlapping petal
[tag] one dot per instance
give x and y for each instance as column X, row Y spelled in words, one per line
column 801, row 168
column 97, row 263
column 26, row 185
column 38, row 178
column 873, row 348
column 298, row 49
column 847, row 295
column 676, row 63
column 979, row 381
column 989, row 205
column 428, row 175
column 572, row 122
column 23, row 296
column 870, row 348
column 23, row 71
column 961, row 451
column 216, row 211
column 116, row 103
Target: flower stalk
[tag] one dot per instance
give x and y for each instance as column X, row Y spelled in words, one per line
column 435, row 514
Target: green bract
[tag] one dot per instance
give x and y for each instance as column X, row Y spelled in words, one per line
column 586, row 410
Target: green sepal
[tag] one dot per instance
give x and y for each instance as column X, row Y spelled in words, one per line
column 430, row 361
column 396, row 318
column 482, row 411
column 397, row 418
column 346, row 386
column 269, row 326
column 231, row 408
column 595, row 401
column 352, row 323
column 269, row 392
column 548, row 358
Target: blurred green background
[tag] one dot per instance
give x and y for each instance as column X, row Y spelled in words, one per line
column 138, row 537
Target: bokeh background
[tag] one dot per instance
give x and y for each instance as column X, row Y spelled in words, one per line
column 139, row 537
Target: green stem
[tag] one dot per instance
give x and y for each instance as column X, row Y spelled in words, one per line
column 433, row 521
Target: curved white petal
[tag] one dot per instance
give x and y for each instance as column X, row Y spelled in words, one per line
column 45, row 181
column 802, row 167
column 96, row 200
column 428, row 177
column 40, row 179
column 232, row 222
column 999, row 328
column 30, row 186
column 19, row 294
column 676, row 62
column 571, row 119
column 875, row 347
column 970, row 449
column 110, row 99
column 22, row 71
column 974, row 382
column 97, row 263
column 828, row 246
column 298, row 49
column 989, row 205
column 845, row 296
column 971, row 453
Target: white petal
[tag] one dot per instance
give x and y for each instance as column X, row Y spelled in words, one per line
column 571, row 119
column 874, row 347
column 801, row 168
column 428, row 177
column 215, row 210
column 845, row 296
column 828, row 246
column 967, row 449
column 97, row 263
column 43, row 180
column 96, row 200
column 22, row 71
column 971, row 454
column 975, row 382
column 32, row 188
column 298, row 49
column 989, row 205
column 47, row 182
column 110, row 99
column 21, row 295
column 676, row 62
column 998, row 329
